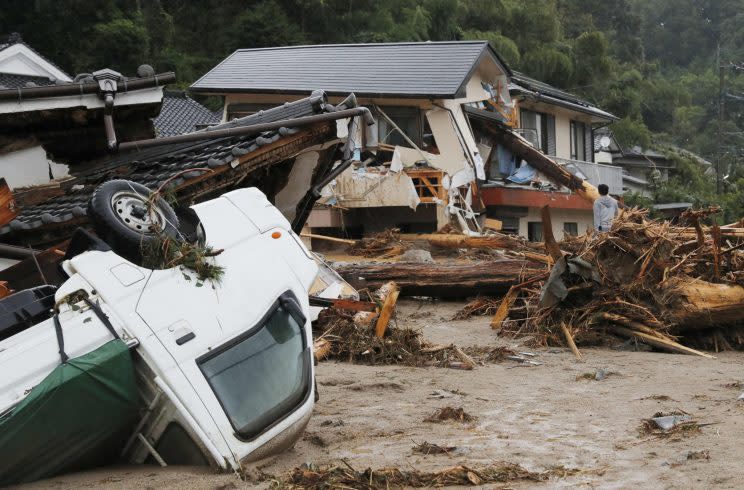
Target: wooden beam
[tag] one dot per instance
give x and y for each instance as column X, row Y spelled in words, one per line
column 328, row 238
column 388, row 306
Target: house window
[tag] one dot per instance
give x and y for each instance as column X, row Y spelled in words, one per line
column 540, row 130
column 408, row 119
column 578, row 141
column 534, row 231
column 571, row 228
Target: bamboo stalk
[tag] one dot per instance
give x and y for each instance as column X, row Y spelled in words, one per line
column 328, row 238
column 571, row 343
column 627, row 322
column 659, row 342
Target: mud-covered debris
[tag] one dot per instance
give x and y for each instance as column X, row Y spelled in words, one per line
column 597, row 375
column 702, row 454
column 664, row 424
column 313, row 478
column 450, row 413
column 482, row 305
column 428, row 448
column 314, row 439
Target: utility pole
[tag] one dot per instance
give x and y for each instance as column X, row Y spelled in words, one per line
column 721, row 96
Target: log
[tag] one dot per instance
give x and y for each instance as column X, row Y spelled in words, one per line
column 551, row 246
column 453, row 280
column 450, row 240
column 543, row 163
column 693, row 304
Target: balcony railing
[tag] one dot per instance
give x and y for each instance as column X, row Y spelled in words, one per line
column 595, row 173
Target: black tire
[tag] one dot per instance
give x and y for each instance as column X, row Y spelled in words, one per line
column 122, row 224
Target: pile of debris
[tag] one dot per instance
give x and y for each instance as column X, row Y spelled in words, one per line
column 645, row 279
column 311, row 477
column 360, row 332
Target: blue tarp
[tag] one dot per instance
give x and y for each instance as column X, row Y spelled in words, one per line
column 524, row 175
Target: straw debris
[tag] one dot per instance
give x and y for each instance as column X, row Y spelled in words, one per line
column 313, row 478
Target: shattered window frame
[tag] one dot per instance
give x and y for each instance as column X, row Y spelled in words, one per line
column 387, row 134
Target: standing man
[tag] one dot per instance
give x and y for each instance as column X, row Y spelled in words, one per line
column 605, row 209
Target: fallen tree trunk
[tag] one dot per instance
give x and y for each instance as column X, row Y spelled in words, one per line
column 448, row 240
column 695, row 304
column 543, row 163
column 452, row 280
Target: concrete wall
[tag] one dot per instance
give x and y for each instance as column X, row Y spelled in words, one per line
column 29, row 167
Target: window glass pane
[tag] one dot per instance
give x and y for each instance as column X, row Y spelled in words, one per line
column 263, row 377
column 580, row 153
column 571, row 228
column 573, row 140
column 408, row 120
column 534, row 231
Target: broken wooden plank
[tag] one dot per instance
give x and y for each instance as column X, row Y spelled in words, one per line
column 343, row 304
column 509, row 298
column 328, row 238
column 494, row 224
column 388, row 306
column 571, row 343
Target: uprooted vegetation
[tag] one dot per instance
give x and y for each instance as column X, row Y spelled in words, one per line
column 165, row 252
column 313, row 478
column 339, row 337
column 450, row 413
column 646, row 280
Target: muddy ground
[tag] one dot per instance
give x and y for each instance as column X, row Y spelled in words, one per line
column 538, row 416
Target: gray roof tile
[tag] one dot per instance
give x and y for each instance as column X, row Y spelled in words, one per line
column 181, row 114
column 9, row 80
column 408, row 69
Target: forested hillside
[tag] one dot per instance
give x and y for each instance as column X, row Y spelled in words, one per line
column 651, row 62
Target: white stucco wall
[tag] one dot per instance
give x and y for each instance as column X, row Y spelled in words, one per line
column 584, row 219
column 29, row 167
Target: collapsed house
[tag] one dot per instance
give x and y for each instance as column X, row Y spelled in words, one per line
column 442, row 113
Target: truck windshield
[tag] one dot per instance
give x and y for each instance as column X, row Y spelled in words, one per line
column 263, row 376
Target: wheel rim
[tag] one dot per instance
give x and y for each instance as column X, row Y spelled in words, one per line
column 136, row 213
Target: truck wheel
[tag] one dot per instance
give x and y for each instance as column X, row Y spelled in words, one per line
column 119, row 212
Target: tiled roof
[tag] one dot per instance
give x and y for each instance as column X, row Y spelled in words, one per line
column 423, row 69
column 181, row 114
column 521, row 83
column 9, row 80
column 154, row 167
column 15, row 38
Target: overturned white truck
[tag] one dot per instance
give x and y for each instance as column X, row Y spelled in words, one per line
column 122, row 362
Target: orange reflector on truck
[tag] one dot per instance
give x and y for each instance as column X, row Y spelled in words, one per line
column 276, row 234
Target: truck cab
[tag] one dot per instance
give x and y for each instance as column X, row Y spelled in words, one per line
column 224, row 369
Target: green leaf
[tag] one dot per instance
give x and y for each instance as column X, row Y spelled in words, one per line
column 199, row 284
column 186, row 276
column 75, row 307
column 87, row 320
